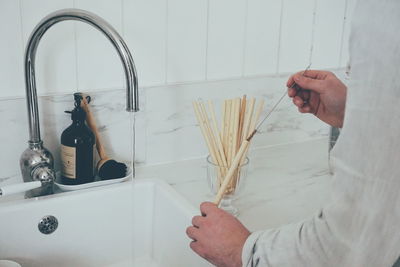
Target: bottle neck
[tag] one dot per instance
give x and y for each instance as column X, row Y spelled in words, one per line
column 78, row 122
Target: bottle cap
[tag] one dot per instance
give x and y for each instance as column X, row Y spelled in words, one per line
column 77, row 113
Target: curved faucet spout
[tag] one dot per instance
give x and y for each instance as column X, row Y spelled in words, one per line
column 132, row 91
column 37, row 162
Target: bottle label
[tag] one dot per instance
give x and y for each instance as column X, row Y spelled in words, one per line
column 68, row 159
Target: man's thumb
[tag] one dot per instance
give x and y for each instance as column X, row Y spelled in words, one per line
column 308, row 83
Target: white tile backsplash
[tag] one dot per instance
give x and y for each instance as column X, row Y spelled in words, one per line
column 56, row 55
column 296, row 35
column 262, row 37
column 145, row 33
column 328, row 33
column 98, row 63
column 186, row 40
column 172, row 42
column 226, row 31
column 11, row 48
column 14, row 135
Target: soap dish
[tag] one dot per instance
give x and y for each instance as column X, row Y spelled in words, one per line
column 97, row 182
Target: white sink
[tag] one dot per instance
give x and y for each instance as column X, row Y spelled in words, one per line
column 140, row 223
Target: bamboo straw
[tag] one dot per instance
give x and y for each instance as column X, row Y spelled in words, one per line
column 223, row 120
column 203, row 131
column 248, row 117
column 235, row 127
column 210, row 139
column 217, row 135
column 256, row 116
column 231, row 172
column 233, row 141
column 254, row 121
column 223, row 163
column 230, row 132
column 226, row 127
column 241, row 121
column 242, row 111
column 211, row 134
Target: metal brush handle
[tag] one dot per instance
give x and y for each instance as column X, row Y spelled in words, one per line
column 295, row 86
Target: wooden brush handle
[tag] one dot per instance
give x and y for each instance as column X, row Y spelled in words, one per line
column 92, row 125
column 231, row 172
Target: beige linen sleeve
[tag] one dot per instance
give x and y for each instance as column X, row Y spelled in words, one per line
column 360, row 227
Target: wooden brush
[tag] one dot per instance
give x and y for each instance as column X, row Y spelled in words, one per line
column 107, row 168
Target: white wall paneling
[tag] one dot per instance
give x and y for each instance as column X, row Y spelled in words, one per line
column 145, row 33
column 328, row 33
column 11, row 66
column 14, row 139
column 175, row 41
column 262, row 37
column 187, row 29
column 296, row 33
column 226, row 31
column 98, row 64
column 55, row 59
column 172, row 41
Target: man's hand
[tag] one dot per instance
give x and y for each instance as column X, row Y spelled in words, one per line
column 217, row 236
column 325, row 95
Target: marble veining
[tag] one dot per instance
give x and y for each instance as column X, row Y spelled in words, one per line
column 166, row 127
column 173, row 133
column 283, row 185
column 108, row 108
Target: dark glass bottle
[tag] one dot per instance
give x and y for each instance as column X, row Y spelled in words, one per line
column 77, row 149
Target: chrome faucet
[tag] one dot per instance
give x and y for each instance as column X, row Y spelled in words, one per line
column 36, row 162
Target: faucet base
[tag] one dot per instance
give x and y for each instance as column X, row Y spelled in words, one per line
column 37, row 165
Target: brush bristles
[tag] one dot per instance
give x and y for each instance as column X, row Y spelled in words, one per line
column 112, row 169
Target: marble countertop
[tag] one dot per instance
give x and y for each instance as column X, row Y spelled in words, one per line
column 285, row 183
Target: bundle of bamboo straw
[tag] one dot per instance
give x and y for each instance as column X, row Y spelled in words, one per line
column 238, row 120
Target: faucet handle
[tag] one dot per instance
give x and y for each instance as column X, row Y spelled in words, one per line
column 44, row 174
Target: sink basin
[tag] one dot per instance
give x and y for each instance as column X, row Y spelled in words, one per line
column 140, row 223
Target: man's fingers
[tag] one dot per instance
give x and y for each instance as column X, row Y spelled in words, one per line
column 308, row 83
column 298, row 101
column 305, row 109
column 290, row 82
column 194, row 246
column 316, row 74
column 305, row 94
column 292, row 92
column 197, row 221
column 192, row 232
column 207, row 207
column 313, row 74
